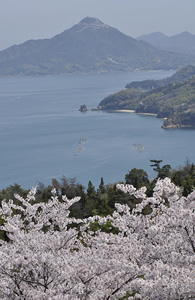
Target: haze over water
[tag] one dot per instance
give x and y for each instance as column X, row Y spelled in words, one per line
column 44, row 136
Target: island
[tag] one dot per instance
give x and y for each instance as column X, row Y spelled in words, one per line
column 89, row 47
column 83, row 108
column 172, row 100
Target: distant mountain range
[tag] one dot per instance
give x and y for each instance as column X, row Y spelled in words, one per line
column 172, row 99
column 88, row 47
column 183, row 43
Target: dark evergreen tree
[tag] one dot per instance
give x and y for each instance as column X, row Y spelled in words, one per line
column 156, row 164
column 101, row 189
column 90, row 189
column 164, row 171
column 137, row 177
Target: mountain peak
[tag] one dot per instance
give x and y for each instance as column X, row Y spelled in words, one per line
column 90, row 20
column 93, row 23
column 87, row 47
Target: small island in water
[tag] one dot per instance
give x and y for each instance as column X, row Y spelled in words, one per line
column 83, row 108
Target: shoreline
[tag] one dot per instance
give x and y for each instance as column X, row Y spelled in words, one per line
column 125, row 110
column 177, row 126
column 133, row 111
column 174, row 126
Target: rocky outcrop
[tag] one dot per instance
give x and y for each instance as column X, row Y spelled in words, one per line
column 83, row 108
column 184, row 119
column 171, row 123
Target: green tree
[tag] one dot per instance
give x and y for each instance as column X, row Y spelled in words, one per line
column 90, row 189
column 185, row 177
column 137, row 177
column 101, row 189
column 91, row 199
column 9, row 192
column 188, row 186
column 162, row 172
column 156, row 164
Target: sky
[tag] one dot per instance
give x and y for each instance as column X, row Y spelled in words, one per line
column 21, row 20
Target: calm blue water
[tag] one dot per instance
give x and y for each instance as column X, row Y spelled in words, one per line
column 44, row 136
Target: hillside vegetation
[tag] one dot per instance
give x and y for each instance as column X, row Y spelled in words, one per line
column 180, row 75
column 140, row 249
column 175, row 101
column 102, row 200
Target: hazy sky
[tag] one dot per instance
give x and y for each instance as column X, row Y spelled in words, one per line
column 21, row 20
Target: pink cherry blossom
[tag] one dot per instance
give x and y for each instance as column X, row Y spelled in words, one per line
column 152, row 256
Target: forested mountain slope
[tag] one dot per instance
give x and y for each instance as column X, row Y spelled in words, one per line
column 175, row 101
column 180, row 75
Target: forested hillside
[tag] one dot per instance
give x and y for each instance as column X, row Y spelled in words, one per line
column 102, row 200
column 181, row 75
column 175, row 101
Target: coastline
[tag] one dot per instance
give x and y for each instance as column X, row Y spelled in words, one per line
column 125, row 110
column 177, row 126
column 133, row 111
column 174, row 126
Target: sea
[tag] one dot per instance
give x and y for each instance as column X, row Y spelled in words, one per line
column 43, row 135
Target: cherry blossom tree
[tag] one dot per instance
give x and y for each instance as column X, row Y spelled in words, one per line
column 48, row 255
